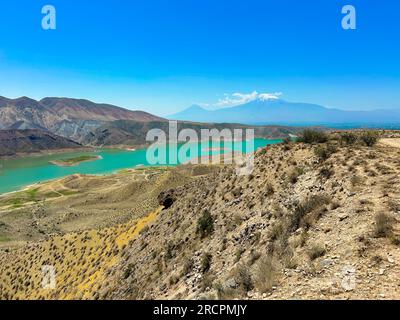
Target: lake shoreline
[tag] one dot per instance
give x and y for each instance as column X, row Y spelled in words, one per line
column 51, row 152
column 46, row 153
column 65, row 163
column 22, row 173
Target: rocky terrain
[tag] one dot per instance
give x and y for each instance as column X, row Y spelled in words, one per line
column 316, row 219
column 14, row 142
column 133, row 133
column 73, row 118
column 94, row 124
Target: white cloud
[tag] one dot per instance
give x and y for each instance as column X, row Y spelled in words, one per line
column 237, row 98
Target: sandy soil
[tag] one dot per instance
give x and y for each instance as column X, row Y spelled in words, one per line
column 391, row 142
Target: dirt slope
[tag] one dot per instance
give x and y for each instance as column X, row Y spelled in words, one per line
column 32, row 141
column 311, row 222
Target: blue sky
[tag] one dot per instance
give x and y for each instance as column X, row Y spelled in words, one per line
column 164, row 55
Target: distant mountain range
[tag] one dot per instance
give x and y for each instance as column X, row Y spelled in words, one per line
column 27, row 125
column 277, row 111
column 72, row 118
column 133, row 133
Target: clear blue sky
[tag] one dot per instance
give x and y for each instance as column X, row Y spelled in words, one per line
column 164, row 55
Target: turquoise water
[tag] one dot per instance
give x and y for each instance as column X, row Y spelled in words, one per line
column 18, row 173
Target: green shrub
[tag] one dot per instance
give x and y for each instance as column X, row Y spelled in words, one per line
column 302, row 209
column 243, row 278
column 369, row 138
column 348, row 138
column 313, row 136
column 324, row 152
column 206, row 262
column 205, row 225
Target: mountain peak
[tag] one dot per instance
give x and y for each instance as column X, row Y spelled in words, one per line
column 267, row 97
column 195, row 107
column 270, row 109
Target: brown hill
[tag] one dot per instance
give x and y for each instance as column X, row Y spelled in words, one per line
column 72, row 118
column 312, row 221
column 133, row 133
column 31, row 141
column 88, row 110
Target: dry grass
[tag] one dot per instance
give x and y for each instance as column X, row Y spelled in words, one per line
column 265, row 274
column 383, row 225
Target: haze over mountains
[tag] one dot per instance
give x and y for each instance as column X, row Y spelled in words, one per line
column 278, row 111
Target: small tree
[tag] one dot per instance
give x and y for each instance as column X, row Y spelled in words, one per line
column 348, row 138
column 370, row 138
column 205, row 224
column 243, row 278
column 206, row 262
column 313, row 136
column 323, row 153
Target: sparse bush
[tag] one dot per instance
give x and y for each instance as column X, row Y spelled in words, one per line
column 238, row 254
column 169, row 251
column 277, row 231
column 265, row 274
column 207, row 281
column 206, row 262
column 254, row 256
column 313, row 136
column 188, row 266
column 128, row 271
column 393, row 205
column 335, row 205
column 326, row 172
column 243, row 278
column 237, row 220
column 224, row 293
column 205, row 225
column 348, row 138
column 269, row 189
column 295, row 174
column 355, row 180
column 173, row 280
column 316, row 251
column 324, row 153
column 383, row 225
column 302, row 209
column 369, row 138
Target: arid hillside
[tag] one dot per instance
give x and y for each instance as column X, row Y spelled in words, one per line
column 13, row 142
column 72, row 118
column 317, row 219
